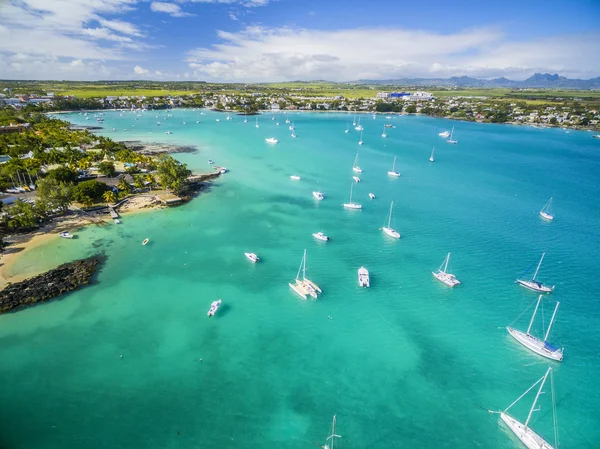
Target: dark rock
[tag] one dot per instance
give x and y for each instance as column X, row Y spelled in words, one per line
column 65, row 278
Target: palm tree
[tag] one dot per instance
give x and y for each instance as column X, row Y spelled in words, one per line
column 110, row 197
column 138, row 182
column 150, row 178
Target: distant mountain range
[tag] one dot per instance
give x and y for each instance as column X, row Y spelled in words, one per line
column 538, row 80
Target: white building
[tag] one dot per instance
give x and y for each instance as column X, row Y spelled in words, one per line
column 383, row 94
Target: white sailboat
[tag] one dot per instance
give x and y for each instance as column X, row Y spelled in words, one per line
column 303, row 286
column 354, row 121
column 541, row 347
column 450, row 139
column 347, row 129
column 350, row 204
column 358, row 127
column 546, row 211
column 393, row 171
column 383, row 134
column 355, row 167
column 442, row 274
column 257, row 125
column 388, row 229
column 533, row 283
column 522, row 430
column 431, row 159
column 363, row 277
column 329, row 442
column 360, row 142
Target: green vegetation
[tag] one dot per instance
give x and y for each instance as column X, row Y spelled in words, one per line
column 89, row 192
column 54, row 195
column 107, row 169
column 23, row 217
column 172, row 174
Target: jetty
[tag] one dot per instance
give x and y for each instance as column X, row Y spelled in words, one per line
column 113, row 213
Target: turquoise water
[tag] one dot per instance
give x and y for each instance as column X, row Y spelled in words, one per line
column 407, row 363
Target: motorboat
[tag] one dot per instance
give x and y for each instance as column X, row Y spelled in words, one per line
column 444, row 134
column 356, row 178
column 145, row 242
column 66, row 235
column 318, row 195
column 295, row 177
column 363, row 277
column 442, row 274
column 223, row 170
column 372, row 196
column 213, row 308
column 168, row 132
column 117, row 221
column 320, row 236
column 271, row 140
column 252, row 257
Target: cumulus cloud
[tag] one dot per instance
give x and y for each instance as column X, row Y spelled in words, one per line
column 168, row 8
column 140, row 70
column 246, row 3
column 273, row 54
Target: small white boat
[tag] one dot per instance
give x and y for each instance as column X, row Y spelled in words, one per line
column 213, row 308
column 168, row 132
column 356, row 178
column 451, row 139
column 523, row 432
column 350, row 204
column 444, row 134
column 291, row 127
column 359, row 126
column 329, row 441
column 541, row 347
column 442, row 274
column 293, row 135
column 546, row 211
column 383, row 134
column 223, row 170
column 347, row 128
column 533, row 283
column 388, row 229
column 393, row 171
column 210, row 161
column 252, row 257
column 145, row 242
column 295, row 177
column 228, row 117
column 360, row 142
column 320, row 236
column 217, row 120
column 257, row 125
column 117, row 221
column 66, row 235
column 318, row 195
column 355, row 167
column 372, row 196
column 363, row 277
column 271, row 140
column 595, row 136
column 431, row 159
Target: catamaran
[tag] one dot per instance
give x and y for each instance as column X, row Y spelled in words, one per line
column 363, row 277
column 304, row 286
column 442, row 274
column 393, row 171
column 350, row 204
column 355, row 167
column 533, row 283
column 318, row 195
column 332, row 436
column 450, row 139
column 541, row 347
column 525, row 433
column 431, row 159
column 546, row 211
column 388, row 229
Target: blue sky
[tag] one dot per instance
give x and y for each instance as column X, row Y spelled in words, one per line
column 278, row 40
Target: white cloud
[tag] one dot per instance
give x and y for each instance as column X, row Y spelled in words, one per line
column 168, row 8
column 232, row 16
column 140, row 70
column 273, row 54
column 246, row 3
column 106, row 34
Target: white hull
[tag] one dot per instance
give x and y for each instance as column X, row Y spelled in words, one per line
column 448, row 279
column 252, row 257
column 352, row 206
column 546, row 216
column 363, row 277
column 311, row 285
column 318, row 195
column 536, row 345
column 393, row 173
column 527, row 436
column 452, row 141
column 391, row 232
column 295, row 177
column 356, row 178
column 213, row 308
column 444, row 134
column 320, row 236
column 299, row 290
column 357, row 169
column 372, row 196
column 65, row 235
column 535, row 286
column 271, row 140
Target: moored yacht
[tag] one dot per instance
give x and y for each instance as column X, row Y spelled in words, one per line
column 356, row 178
column 213, row 308
column 546, row 211
column 271, row 140
column 318, row 195
column 350, row 204
column 444, row 134
column 355, row 167
column 363, row 277
column 442, row 274
column 393, row 171
column 372, row 196
column 388, row 229
column 66, row 235
column 252, row 257
column 320, row 236
column 533, row 283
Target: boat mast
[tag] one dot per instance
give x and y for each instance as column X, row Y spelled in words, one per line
column 394, row 165
column 304, row 266
column 333, row 436
column 534, row 312
column 447, row 261
column 390, row 215
column 355, row 159
column 537, row 396
column 551, row 321
column 538, row 267
column 351, row 186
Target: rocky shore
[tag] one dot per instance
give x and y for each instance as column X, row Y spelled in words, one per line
column 65, row 278
column 153, row 149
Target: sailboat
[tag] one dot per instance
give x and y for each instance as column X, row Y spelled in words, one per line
column 245, row 117
column 444, row 134
column 388, row 229
column 354, row 121
column 358, row 126
column 257, row 122
column 442, row 274
column 431, row 159
column 533, row 283
column 347, row 129
column 541, row 347
column 360, row 142
column 350, row 204
column 329, row 442
column 546, row 211
column 383, row 134
column 393, row 171
column 450, row 139
column 304, row 286
column 525, row 433
column 355, row 167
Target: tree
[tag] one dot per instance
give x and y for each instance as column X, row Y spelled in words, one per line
column 150, row 179
column 411, row 109
column 54, row 195
column 124, row 188
column 110, row 197
column 107, row 169
column 138, row 182
column 22, row 216
column 63, row 174
column 172, row 173
column 91, row 189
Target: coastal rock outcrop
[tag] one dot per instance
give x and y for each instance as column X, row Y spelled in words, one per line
column 66, row 277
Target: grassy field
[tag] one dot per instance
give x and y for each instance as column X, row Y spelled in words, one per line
column 119, row 92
